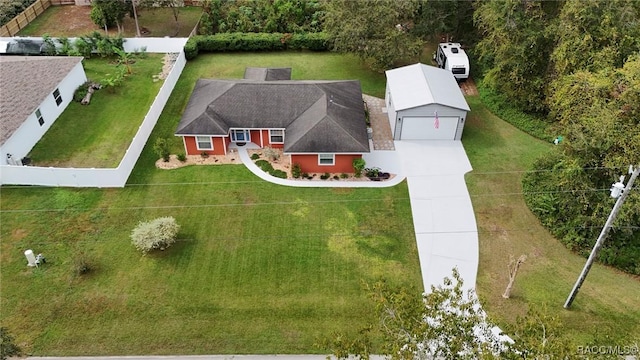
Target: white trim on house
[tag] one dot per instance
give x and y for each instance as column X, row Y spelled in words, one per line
column 271, row 136
column 246, row 134
column 203, row 139
column 326, row 157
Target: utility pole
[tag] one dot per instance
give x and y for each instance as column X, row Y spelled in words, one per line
column 621, row 195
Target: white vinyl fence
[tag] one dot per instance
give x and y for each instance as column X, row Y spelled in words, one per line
column 112, row 177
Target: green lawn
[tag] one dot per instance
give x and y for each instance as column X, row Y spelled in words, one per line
column 608, row 300
column 260, row 268
column 98, row 134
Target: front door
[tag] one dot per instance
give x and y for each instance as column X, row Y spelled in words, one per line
column 240, row 135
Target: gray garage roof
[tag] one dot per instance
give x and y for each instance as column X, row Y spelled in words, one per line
column 25, row 82
column 318, row 116
column 418, row 84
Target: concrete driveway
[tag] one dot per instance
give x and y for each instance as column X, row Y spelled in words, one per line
column 443, row 218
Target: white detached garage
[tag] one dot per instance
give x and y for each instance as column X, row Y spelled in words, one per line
column 424, row 103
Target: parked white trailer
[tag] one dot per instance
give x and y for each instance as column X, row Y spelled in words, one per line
column 451, row 56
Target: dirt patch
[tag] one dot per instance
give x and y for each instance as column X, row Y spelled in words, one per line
column 174, row 163
column 469, row 88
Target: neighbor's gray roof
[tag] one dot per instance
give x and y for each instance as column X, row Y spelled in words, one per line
column 25, row 81
column 318, row 116
column 268, row 74
column 418, row 84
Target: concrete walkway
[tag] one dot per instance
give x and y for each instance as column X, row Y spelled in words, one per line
column 443, row 218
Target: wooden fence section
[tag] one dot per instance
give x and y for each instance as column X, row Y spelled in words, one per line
column 24, row 18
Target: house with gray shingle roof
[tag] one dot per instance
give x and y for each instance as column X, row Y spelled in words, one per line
column 35, row 91
column 320, row 124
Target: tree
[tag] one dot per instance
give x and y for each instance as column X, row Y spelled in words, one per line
column 597, row 113
column 596, row 35
column 517, row 40
column 108, row 13
column 452, row 20
column 7, row 347
column 446, row 323
column 159, row 233
column 376, row 31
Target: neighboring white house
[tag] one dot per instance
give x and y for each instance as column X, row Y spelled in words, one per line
column 424, row 103
column 35, row 91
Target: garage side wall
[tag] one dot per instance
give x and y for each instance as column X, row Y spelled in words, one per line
column 430, row 111
column 391, row 111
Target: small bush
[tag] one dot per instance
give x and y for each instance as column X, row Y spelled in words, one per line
column 336, row 177
column 296, row 171
column 182, row 157
column 255, row 156
column 82, row 265
column 306, row 176
column 159, row 233
column 358, row 166
column 325, row 176
column 265, row 166
column 204, row 154
column 161, row 148
column 344, row 176
column 279, row 174
column 271, row 154
column 81, row 91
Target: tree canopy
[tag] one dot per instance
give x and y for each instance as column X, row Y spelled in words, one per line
column 377, row 31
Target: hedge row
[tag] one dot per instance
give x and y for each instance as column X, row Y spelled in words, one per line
column 254, row 42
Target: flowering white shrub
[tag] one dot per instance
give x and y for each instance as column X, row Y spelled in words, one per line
column 159, row 233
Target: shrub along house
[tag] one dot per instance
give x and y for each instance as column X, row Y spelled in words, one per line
column 35, row 91
column 319, row 124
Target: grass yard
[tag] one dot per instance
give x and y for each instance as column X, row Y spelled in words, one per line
column 260, row 268
column 71, row 21
column 98, row 134
column 608, row 300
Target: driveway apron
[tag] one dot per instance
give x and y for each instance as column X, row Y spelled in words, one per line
column 443, row 218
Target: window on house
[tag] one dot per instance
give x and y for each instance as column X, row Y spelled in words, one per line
column 276, row 136
column 326, row 159
column 39, row 117
column 204, row 143
column 56, row 95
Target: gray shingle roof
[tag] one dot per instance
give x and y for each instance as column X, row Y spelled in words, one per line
column 318, row 116
column 25, row 81
column 268, row 74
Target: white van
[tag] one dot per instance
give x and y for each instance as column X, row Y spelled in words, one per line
column 451, row 56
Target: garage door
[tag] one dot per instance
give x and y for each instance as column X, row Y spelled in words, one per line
column 424, row 128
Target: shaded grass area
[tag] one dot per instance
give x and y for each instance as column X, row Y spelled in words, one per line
column 72, row 21
column 98, row 134
column 259, row 268
column 607, row 302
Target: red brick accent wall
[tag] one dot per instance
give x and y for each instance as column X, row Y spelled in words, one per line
column 192, row 148
column 309, row 163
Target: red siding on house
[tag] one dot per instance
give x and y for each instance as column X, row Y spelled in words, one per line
column 192, row 148
column 255, row 137
column 309, row 163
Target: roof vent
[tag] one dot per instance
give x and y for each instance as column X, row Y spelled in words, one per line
column 454, row 50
